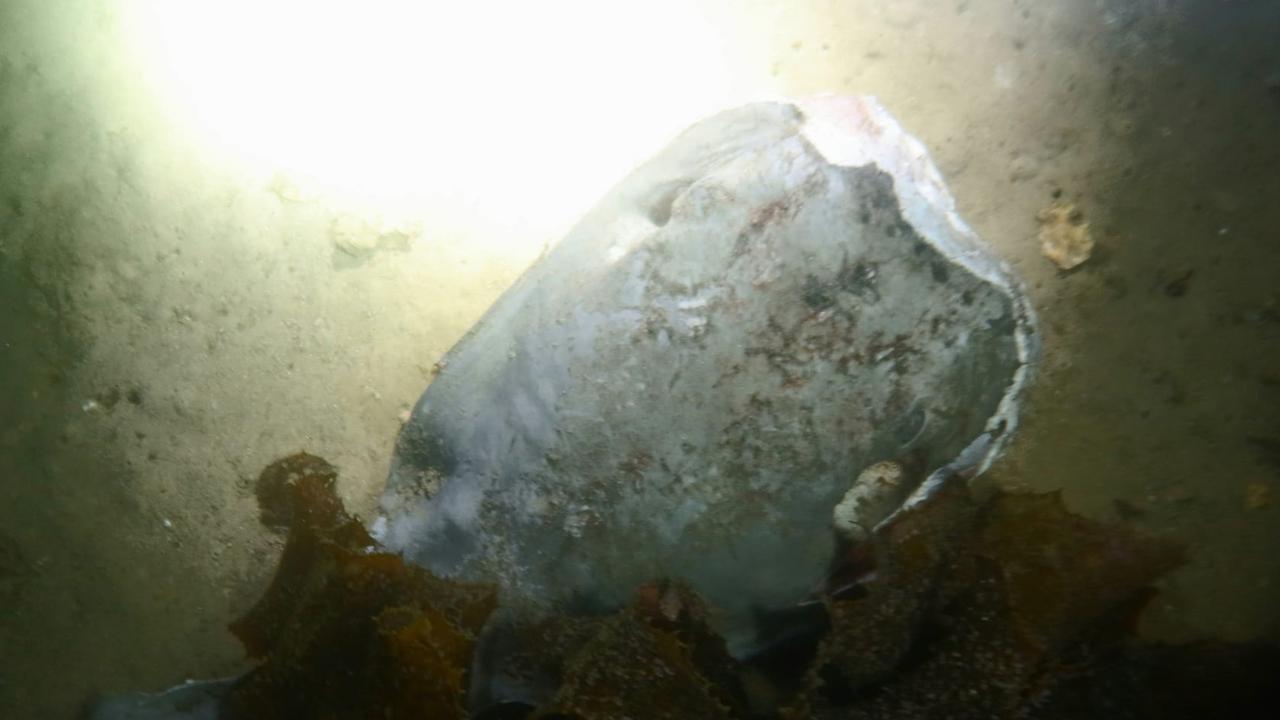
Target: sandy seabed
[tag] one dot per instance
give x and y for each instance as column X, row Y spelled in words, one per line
column 167, row 330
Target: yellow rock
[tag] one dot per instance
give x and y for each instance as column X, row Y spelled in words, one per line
column 1064, row 235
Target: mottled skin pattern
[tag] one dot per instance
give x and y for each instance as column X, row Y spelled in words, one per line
column 691, row 380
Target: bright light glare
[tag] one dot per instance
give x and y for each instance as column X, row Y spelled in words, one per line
column 526, row 109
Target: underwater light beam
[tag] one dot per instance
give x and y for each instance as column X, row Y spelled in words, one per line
column 392, row 108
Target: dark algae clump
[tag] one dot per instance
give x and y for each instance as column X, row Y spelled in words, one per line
column 1002, row 606
column 346, row 631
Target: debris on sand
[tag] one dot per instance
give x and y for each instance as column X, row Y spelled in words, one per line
column 1064, row 235
column 1257, row 496
column 359, row 239
column 1178, row 286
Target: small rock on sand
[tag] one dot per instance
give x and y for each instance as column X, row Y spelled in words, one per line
column 1064, row 235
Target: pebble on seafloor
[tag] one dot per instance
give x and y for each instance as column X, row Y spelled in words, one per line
column 1064, row 235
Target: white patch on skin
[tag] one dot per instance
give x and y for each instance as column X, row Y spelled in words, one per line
column 871, row 498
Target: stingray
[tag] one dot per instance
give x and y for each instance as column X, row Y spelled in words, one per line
column 694, row 382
